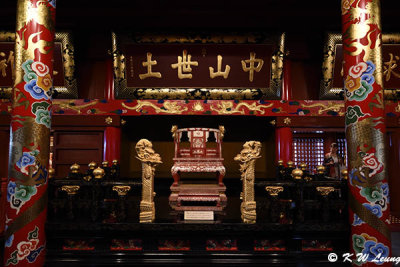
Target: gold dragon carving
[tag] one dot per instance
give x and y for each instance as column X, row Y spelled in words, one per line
column 168, row 107
column 226, row 107
column 149, row 159
column 247, row 160
column 71, row 104
column 331, row 106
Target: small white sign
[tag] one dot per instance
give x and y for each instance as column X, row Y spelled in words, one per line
column 191, row 215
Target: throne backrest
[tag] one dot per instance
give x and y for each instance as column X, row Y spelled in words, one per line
column 203, row 143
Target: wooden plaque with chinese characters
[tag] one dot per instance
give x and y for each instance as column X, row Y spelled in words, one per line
column 332, row 80
column 190, row 68
column 63, row 69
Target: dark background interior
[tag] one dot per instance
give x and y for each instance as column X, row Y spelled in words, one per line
column 305, row 24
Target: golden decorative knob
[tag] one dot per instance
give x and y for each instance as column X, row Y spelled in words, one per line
column 108, row 120
column 297, row 174
column 87, row 178
column 52, row 172
column 307, row 179
column 122, row 190
column 345, row 174
column 104, row 164
column 303, row 166
column 70, row 189
column 290, row 164
column 325, row 190
column 98, row 173
column 92, row 165
column 321, row 169
column 274, row 190
column 280, row 162
column 75, row 168
column 115, row 162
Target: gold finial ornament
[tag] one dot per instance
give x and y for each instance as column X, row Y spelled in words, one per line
column 92, row 165
column 290, row 164
column 273, row 122
column 75, row 168
column 280, row 162
column 287, row 121
column 325, row 190
column 274, row 190
column 123, row 122
column 104, row 164
column 247, row 160
column 149, row 159
column 221, row 131
column 174, row 128
column 297, row 174
column 303, row 166
column 98, row 173
column 52, row 173
column 70, row 189
column 321, row 169
column 122, row 190
column 345, row 174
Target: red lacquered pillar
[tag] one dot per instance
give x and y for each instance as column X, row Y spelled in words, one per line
column 284, row 141
column 112, row 144
column 30, row 134
column 365, row 130
column 112, row 134
column 283, row 133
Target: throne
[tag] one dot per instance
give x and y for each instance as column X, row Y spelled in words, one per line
column 199, row 156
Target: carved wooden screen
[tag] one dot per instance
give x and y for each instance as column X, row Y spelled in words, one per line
column 308, row 150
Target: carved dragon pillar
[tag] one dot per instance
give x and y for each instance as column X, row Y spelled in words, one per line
column 365, row 130
column 247, row 160
column 30, row 134
column 150, row 160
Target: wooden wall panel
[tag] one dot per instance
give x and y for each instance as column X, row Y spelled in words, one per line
column 79, row 146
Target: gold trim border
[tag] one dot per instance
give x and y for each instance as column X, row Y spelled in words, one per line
column 70, row 90
column 124, row 92
column 327, row 92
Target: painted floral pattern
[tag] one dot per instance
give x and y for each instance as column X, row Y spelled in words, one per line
column 27, row 159
column 42, row 113
column 353, row 114
column 27, row 249
column 38, row 80
column 18, row 195
column 370, row 161
column 359, row 81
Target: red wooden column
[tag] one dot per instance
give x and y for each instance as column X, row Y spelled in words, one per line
column 30, row 134
column 112, row 143
column 112, row 134
column 283, row 133
column 365, row 130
